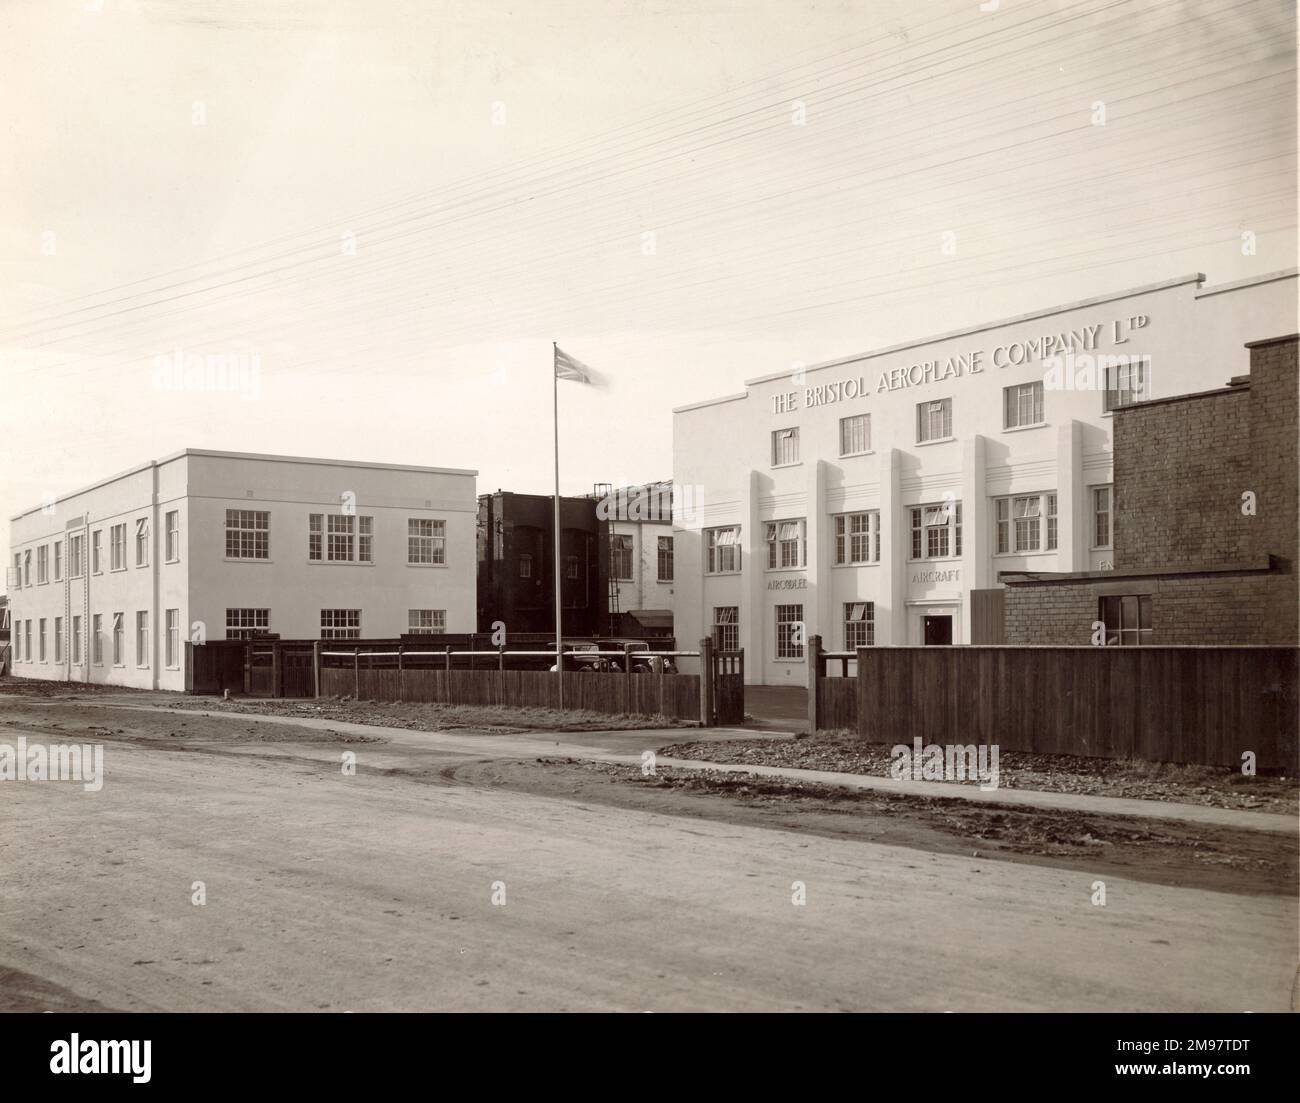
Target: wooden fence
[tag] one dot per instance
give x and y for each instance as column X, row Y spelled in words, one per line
column 1197, row 705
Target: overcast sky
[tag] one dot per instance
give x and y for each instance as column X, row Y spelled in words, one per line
column 390, row 208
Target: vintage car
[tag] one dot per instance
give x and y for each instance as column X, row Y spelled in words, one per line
column 602, row 660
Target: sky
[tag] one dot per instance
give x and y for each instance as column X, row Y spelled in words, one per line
column 379, row 214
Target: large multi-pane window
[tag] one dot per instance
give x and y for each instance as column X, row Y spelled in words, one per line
column 18, row 570
column 58, row 560
column 365, row 539
column 785, row 446
column 245, row 624
column 1022, row 405
column 76, row 556
column 58, row 639
column 315, row 526
column 75, row 640
column 142, row 541
column 97, row 551
column 620, row 557
column 665, row 563
column 855, row 435
column 1101, row 506
column 173, row 526
column 43, row 564
column 1127, row 619
column 426, row 541
column 722, row 548
column 40, row 639
column 119, row 639
column 27, row 567
column 426, row 622
column 1020, row 521
column 172, row 641
column 248, row 534
column 726, row 627
column 785, row 544
column 341, row 529
column 936, row 530
column 859, row 624
column 141, row 638
column 27, row 640
column 340, row 624
column 97, row 639
column 1126, row 382
column 117, row 547
column 857, row 537
column 789, row 632
column 933, row 420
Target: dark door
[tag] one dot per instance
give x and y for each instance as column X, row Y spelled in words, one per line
column 938, row 630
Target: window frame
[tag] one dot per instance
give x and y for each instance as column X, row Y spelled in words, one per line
column 433, row 542
column 1036, row 405
column 1121, row 635
column 785, row 650
column 865, row 450
column 867, row 622
column 726, row 629
column 925, row 412
column 664, row 559
column 714, row 547
column 786, row 552
column 622, row 544
column 1007, row 525
column 172, row 536
column 252, row 538
column 846, row 538
column 785, row 440
column 1109, row 513
column 246, row 631
column 437, row 625
column 920, row 533
column 344, row 631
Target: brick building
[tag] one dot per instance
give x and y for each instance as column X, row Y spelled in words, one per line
column 1205, row 523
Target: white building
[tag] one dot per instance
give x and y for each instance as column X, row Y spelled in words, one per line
column 866, row 500
column 108, row 583
column 641, row 562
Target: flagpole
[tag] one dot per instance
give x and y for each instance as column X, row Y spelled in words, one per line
column 555, row 407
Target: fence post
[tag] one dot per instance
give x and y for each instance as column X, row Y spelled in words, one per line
column 814, row 661
column 248, row 669
column 401, row 691
column 277, row 669
column 628, row 648
column 862, row 692
column 315, row 668
column 706, row 683
column 356, row 673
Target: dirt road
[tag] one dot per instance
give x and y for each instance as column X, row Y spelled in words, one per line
column 375, row 892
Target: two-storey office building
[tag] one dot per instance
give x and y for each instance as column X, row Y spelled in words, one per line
column 107, row 584
column 641, row 563
column 875, row 499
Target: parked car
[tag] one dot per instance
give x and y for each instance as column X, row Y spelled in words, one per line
column 642, row 663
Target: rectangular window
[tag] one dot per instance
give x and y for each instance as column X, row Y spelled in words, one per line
column 665, row 559
column 785, row 447
column 365, row 539
column 1127, row 619
column 426, row 622
column 141, row 638
column 97, row 639
column 43, row 564
column 1018, row 521
column 936, row 530
column 17, row 579
column 857, row 537
column 75, row 640
column 859, row 624
column 248, row 534
column 58, row 560
column 1101, row 536
column 315, row 524
column 340, row 528
column 117, row 547
column 785, row 544
column 722, row 550
column 173, row 644
column 58, row 639
column 620, row 557
column 246, row 624
column 726, row 627
column 1022, row 404
column 75, row 565
column 27, row 640
column 97, row 552
column 426, row 541
column 1126, row 382
column 933, row 420
column 40, row 640
column 570, row 566
column 789, row 632
column 142, row 541
column 1051, row 522
column 340, row 624
column 27, row 567
column 173, row 536
column 855, row 435
column 525, row 566
column 119, row 639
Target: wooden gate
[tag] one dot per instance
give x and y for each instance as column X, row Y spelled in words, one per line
column 728, row 687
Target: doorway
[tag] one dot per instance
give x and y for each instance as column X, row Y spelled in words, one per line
column 937, row 628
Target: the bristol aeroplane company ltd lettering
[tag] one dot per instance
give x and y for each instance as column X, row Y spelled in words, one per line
column 1034, row 349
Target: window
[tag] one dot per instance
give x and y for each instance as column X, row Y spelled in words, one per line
column 665, row 559
column 97, row 639
column 248, row 534
column 723, row 551
column 340, row 624
column 1022, row 404
column 340, row 529
column 58, row 639
column 620, row 557
column 934, row 420
column 785, row 447
column 18, row 641
column 426, row 541
column 936, row 531
column 173, row 526
column 1101, row 536
column 1125, row 383
column 58, row 560
column 119, row 640
column 97, row 552
column 142, row 541
column 315, row 522
column 141, row 638
column 525, row 566
column 789, row 631
column 365, row 539
column 173, row 639
column 27, row 640
column 75, row 565
column 244, row 624
column 1127, row 619
column 75, row 641
column 785, row 544
column 855, row 435
column 117, row 547
column 40, row 639
column 43, row 564
column 857, row 537
column 570, row 566
column 426, row 622
column 726, row 627
column 859, row 624
column 1019, row 522
column 1051, row 522
column 18, row 570
column 27, row 567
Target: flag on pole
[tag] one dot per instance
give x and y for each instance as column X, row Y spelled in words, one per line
column 570, row 367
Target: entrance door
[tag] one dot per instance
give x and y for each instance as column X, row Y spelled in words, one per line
column 938, row 629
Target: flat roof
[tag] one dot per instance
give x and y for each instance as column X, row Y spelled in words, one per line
column 261, row 456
